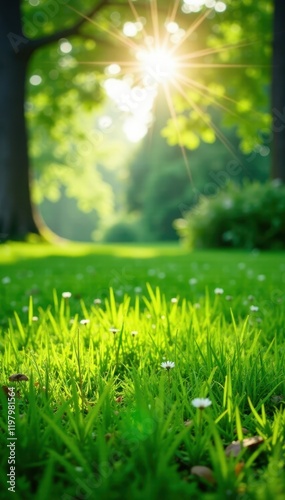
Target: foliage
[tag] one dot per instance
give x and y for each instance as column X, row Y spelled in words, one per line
column 162, row 186
column 99, row 416
column 69, row 82
column 121, row 232
column 235, row 80
column 251, row 216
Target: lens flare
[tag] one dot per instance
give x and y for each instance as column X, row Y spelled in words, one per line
column 157, row 64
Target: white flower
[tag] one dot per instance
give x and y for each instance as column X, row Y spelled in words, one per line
column 254, row 308
column 6, row 280
column 174, row 300
column 261, row 277
column 250, row 298
column 219, row 291
column 97, row 301
column 114, row 330
column 134, row 333
column 167, row 365
column 25, row 309
column 35, row 318
column 197, row 305
column 161, row 276
column 201, row 403
column 84, row 321
column 66, row 295
column 229, row 297
column 137, row 289
column 193, row 281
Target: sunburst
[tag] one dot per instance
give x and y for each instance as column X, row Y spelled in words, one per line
column 159, row 62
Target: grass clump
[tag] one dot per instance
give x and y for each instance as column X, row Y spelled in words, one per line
column 109, row 409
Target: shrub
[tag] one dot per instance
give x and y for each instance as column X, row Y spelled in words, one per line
column 248, row 216
column 121, row 232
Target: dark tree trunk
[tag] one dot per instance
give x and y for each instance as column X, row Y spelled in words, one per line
column 278, row 92
column 16, row 215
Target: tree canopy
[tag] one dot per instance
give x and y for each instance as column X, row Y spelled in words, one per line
column 208, row 58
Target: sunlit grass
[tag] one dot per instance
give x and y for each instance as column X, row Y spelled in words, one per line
column 100, row 417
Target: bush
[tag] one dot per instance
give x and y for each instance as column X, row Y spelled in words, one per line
column 250, row 216
column 121, row 232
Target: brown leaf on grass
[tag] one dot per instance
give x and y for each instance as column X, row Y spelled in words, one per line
column 18, row 377
column 239, row 468
column 203, row 472
column 236, row 446
column 109, row 436
column 119, row 399
column 7, row 391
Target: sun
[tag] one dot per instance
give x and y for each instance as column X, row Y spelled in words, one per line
column 157, row 64
column 162, row 56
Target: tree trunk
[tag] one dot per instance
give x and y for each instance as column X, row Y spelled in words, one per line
column 16, row 215
column 278, row 92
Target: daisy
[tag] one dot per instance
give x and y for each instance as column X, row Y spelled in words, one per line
column 84, row 321
column 201, row 403
column 167, row 365
column 66, row 295
column 219, row 291
column 114, row 330
column 254, row 308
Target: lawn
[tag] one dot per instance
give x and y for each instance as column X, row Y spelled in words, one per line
column 101, row 414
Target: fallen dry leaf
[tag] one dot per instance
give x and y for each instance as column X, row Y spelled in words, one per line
column 238, row 468
column 203, row 472
column 18, row 377
column 109, row 436
column 5, row 389
column 119, row 399
column 236, row 446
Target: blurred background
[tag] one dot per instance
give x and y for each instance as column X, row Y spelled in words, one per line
column 147, row 120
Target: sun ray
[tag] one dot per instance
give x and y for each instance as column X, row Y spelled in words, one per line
column 190, row 81
column 174, row 118
column 137, row 17
column 115, row 33
column 153, row 53
column 209, row 123
column 217, row 50
column 200, row 89
column 221, row 65
column 155, row 23
column 170, row 20
column 201, row 18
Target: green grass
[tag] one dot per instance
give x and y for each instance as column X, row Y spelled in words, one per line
column 99, row 416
